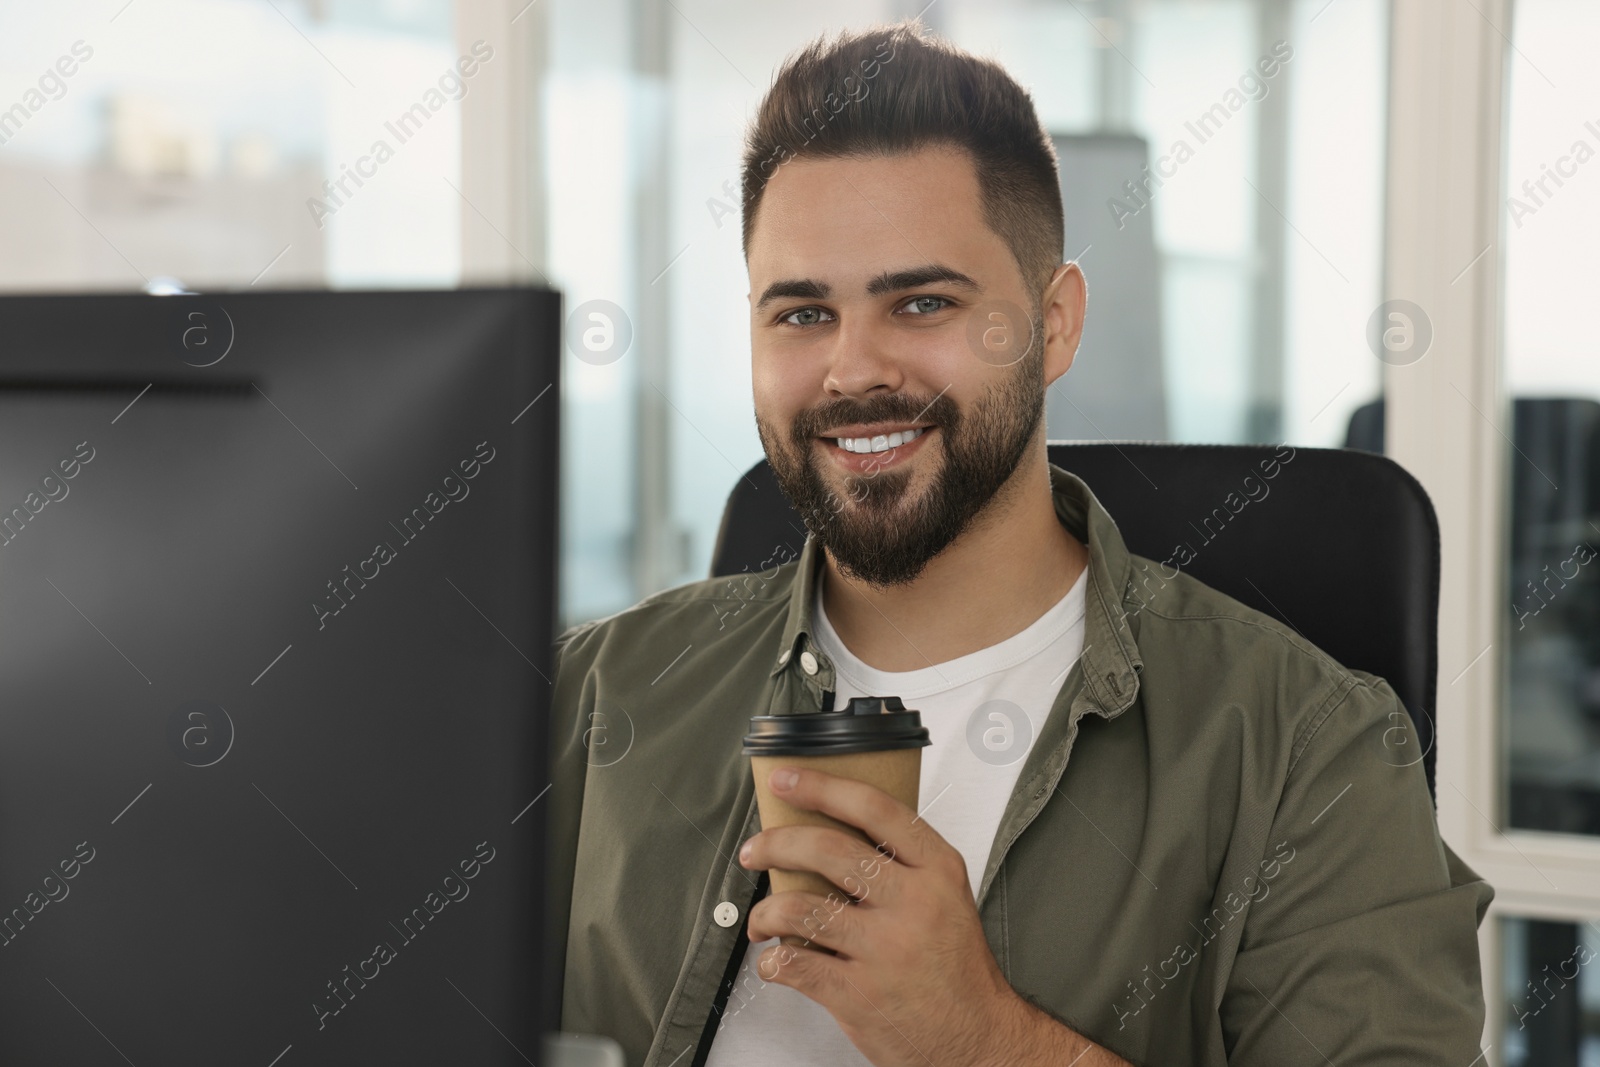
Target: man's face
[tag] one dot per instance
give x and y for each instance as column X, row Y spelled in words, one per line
column 882, row 301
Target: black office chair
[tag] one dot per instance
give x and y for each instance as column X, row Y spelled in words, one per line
column 1344, row 546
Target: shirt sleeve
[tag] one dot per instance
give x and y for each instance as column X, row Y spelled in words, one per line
column 1361, row 947
column 568, row 765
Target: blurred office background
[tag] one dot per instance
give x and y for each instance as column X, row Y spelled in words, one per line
column 596, row 148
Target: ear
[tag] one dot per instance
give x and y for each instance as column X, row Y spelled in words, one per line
column 1063, row 303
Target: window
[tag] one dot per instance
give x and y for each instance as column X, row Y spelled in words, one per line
column 1550, row 609
column 190, row 140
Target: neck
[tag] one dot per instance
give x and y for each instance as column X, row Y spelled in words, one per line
column 1010, row 566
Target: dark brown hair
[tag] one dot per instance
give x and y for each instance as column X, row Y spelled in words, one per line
column 895, row 89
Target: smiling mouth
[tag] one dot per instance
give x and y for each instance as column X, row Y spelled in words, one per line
column 877, row 455
column 879, row 443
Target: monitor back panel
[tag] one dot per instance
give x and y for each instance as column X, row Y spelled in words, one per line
column 277, row 589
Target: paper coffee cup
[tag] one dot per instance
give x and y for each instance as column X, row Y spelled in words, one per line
column 874, row 740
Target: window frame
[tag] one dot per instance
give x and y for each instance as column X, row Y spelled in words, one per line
column 1447, row 420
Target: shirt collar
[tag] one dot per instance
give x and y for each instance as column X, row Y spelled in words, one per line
column 1110, row 657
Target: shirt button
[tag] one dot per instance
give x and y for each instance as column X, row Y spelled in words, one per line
column 808, row 663
column 726, row 914
column 783, row 657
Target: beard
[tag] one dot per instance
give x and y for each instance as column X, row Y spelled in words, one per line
column 872, row 536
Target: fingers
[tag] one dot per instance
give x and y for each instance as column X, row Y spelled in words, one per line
column 856, row 868
column 829, row 922
column 886, row 822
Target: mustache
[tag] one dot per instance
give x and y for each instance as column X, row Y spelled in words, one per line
column 939, row 410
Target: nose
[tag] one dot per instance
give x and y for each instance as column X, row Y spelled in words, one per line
column 861, row 363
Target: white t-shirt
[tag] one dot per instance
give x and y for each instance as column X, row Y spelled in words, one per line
column 982, row 712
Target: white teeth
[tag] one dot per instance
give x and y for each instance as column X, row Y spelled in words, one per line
column 880, row 443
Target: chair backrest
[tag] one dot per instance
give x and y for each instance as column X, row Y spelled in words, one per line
column 1341, row 545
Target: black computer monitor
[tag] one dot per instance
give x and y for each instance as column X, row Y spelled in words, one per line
column 277, row 596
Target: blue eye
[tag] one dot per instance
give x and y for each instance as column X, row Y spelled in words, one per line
column 940, row 302
column 811, row 311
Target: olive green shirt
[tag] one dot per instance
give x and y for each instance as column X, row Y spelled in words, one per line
column 1209, row 856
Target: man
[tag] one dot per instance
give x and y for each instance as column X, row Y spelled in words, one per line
column 1156, row 826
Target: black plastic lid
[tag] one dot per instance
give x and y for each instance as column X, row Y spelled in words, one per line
column 868, row 724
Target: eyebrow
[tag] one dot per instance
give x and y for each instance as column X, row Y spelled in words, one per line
column 894, row 281
column 890, row 281
column 804, row 289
